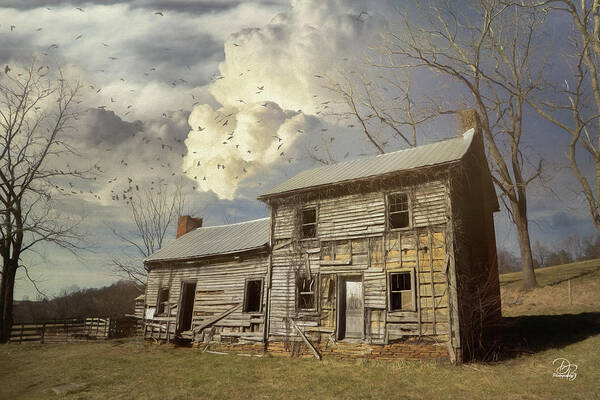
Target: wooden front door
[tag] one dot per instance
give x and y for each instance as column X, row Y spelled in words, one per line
column 351, row 308
column 186, row 306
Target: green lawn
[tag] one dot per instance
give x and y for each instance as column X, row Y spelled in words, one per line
column 539, row 322
column 128, row 370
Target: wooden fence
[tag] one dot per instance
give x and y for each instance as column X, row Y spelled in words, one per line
column 74, row 330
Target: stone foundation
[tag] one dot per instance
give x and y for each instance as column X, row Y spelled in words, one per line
column 239, row 348
column 410, row 349
column 407, row 350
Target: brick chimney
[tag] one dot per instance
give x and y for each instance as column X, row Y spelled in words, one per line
column 468, row 119
column 187, row 223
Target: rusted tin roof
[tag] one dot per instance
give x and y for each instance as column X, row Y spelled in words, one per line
column 216, row 240
column 422, row 156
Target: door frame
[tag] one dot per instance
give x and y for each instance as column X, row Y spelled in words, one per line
column 179, row 303
column 341, row 279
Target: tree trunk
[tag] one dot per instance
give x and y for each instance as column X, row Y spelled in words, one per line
column 522, row 225
column 9, row 272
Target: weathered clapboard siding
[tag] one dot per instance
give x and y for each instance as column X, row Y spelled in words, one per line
column 351, row 230
column 219, row 287
column 358, row 215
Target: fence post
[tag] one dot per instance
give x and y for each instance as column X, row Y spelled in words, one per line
column 21, row 336
column 570, row 294
column 43, row 333
column 168, row 330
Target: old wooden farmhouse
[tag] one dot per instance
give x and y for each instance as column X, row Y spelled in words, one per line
column 381, row 257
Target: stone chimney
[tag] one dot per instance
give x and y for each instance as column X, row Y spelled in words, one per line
column 187, row 223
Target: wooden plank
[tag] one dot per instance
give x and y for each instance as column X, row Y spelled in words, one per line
column 215, row 319
column 305, row 339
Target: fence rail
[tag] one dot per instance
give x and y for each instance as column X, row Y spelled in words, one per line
column 73, row 330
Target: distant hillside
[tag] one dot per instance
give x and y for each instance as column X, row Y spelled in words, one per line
column 114, row 301
column 552, row 297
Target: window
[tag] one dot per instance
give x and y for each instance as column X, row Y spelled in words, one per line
column 253, row 295
column 162, row 307
column 308, row 219
column 401, row 291
column 398, row 212
column 306, row 290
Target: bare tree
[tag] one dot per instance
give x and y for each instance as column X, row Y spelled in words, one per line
column 35, row 111
column 481, row 51
column 580, row 101
column 368, row 102
column 153, row 213
column 541, row 254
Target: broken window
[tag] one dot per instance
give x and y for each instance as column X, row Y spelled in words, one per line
column 401, row 291
column 162, row 306
column 306, row 289
column 309, row 222
column 253, row 295
column 398, row 212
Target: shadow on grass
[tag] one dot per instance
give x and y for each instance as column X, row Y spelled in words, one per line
column 534, row 333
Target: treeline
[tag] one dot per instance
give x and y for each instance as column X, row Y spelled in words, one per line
column 571, row 249
column 110, row 301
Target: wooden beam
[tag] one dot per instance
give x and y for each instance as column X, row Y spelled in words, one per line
column 303, row 336
column 217, row 318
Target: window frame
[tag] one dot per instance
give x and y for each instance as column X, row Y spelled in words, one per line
column 302, row 224
column 165, row 304
column 244, row 302
column 411, row 272
column 388, row 214
column 315, row 292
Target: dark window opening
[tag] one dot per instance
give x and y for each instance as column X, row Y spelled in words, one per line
column 163, row 301
column 306, row 292
column 309, row 223
column 253, row 296
column 398, row 213
column 401, row 293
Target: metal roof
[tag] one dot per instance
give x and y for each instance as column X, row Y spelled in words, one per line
column 215, row 240
column 421, row 156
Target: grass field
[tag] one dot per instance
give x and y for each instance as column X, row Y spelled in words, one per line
column 126, row 369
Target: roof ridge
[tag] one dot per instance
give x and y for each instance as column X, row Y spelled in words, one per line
column 235, row 223
column 430, row 154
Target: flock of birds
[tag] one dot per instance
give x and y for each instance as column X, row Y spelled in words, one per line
column 123, row 190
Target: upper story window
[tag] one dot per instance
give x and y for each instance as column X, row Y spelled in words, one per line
column 398, row 211
column 308, row 221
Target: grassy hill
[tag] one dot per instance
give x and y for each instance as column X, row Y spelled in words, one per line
column 552, row 297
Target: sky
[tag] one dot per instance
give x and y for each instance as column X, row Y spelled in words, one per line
column 228, row 97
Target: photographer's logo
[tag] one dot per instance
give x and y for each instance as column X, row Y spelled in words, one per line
column 564, row 369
